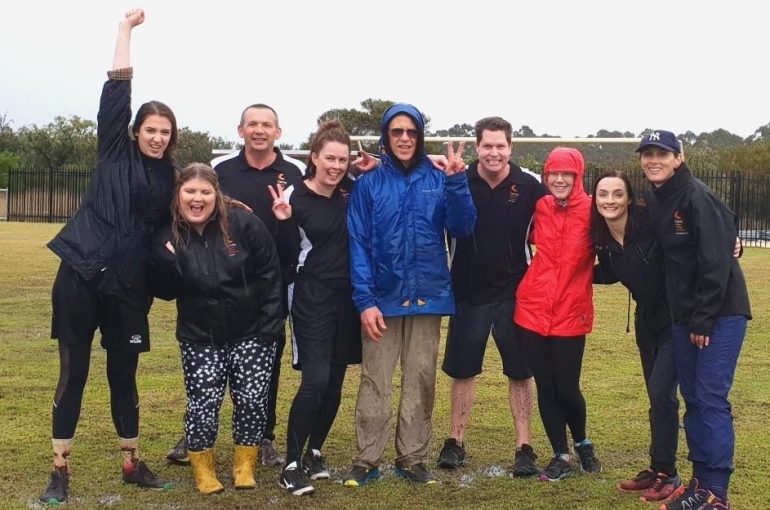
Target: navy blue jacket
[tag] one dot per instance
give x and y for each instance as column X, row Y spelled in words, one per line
column 697, row 233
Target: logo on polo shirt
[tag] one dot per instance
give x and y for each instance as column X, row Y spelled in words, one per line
column 680, row 227
column 281, row 180
column 345, row 194
column 513, row 194
column 135, row 339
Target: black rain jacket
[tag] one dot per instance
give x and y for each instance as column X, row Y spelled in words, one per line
column 697, row 232
column 639, row 266
column 102, row 234
column 225, row 293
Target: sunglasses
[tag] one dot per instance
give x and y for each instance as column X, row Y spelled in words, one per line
column 399, row 132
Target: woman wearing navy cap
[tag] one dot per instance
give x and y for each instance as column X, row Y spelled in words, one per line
column 709, row 308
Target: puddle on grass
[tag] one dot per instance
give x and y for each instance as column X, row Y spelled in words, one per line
column 495, row 471
column 109, row 499
column 466, row 480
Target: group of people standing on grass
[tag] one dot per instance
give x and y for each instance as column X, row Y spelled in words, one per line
column 359, row 267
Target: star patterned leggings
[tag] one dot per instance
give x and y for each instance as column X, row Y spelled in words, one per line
column 207, row 370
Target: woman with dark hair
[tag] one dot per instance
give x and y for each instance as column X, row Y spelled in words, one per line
column 326, row 331
column 220, row 264
column 627, row 252
column 709, row 306
column 102, row 278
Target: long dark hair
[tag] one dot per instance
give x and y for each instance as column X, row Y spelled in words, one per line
column 157, row 108
column 329, row 131
column 600, row 232
column 179, row 227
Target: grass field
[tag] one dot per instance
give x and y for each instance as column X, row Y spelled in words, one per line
column 612, row 384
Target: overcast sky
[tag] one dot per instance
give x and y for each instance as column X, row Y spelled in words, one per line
column 564, row 68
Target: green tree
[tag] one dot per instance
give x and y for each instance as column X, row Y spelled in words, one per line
column 363, row 122
column 8, row 160
column 9, row 141
column 67, row 141
column 762, row 134
column 197, row 146
column 718, row 139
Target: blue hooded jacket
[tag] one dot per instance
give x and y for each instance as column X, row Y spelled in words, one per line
column 396, row 224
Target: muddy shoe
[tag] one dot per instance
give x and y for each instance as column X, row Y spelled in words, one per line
column 58, row 487
column 179, row 454
column 142, row 476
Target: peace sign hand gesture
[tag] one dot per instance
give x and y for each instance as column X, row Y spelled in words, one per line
column 365, row 161
column 455, row 163
column 281, row 206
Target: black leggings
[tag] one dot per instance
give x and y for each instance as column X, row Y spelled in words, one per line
column 556, row 364
column 73, row 372
column 314, row 407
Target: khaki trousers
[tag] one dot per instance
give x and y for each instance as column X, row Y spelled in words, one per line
column 415, row 340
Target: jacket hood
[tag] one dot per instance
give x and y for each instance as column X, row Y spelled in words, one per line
column 419, row 122
column 566, row 159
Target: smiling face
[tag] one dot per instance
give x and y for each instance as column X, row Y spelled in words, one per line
column 259, row 129
column 402, row 135
column 331, row 164
column 494, row 152
column 197, row 198
column 560, row 184
column 612, row 199
column 153, row 136
column 659, row 164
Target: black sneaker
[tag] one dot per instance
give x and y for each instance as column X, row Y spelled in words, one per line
column 417, row 473
column 588, row 461
column 314, row 466
column 269, row 455
column 691, row 497
column 179, row 454
column 142, row 476
column 452, row 455
column 557, row 469
column 58, row 487
column 360, row 475
column 713, row 502
column 524, row 461
column 295, row 480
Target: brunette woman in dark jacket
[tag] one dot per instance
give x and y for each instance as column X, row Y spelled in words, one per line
column 221, row 265
column 102, row 279
column 628, row 253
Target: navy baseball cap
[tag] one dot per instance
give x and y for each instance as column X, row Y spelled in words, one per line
column 663, row 139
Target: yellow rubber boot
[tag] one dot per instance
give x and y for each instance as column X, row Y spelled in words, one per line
column 205, row 472
column 244, row 464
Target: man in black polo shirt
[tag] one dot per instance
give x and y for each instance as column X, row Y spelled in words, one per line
column 486, row 269
column 244, row 176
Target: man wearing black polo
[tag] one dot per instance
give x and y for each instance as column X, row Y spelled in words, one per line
column 245, row 176
column 486, row 270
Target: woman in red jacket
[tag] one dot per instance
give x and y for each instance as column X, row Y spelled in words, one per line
column 554, row 309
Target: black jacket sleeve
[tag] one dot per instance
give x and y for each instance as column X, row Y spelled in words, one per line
column 164, row 272
column 113, row 119
column 264, row 257
column 603, row 272
column 714, row 224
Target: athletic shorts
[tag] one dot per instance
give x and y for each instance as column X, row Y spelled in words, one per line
column 79, row 308
column 324, row 323
column 466, row 342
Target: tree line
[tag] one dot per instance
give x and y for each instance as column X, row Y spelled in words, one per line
column 70, row 142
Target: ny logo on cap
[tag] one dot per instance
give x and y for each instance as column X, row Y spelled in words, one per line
column 654, row 136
